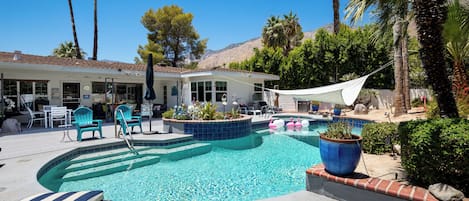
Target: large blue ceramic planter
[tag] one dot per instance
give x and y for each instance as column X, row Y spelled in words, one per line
column 315, row 108
column 337, row 111
column 340, row 157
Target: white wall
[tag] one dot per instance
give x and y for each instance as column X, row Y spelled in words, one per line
column 239, row 89
column 56, row 80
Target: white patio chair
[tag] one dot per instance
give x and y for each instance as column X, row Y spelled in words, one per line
column 35, row 116
column 58, row 114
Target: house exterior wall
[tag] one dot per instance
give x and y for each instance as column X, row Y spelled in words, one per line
column 240, row 89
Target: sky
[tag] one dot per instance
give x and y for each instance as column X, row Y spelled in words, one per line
column 37, row 27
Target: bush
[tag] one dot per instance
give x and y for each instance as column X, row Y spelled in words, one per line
column 208, row 111
column 374, row 137
column 416, row 102
column 168, row 114
column 436, row 151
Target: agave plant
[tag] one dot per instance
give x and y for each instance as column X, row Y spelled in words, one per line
column 339, row 130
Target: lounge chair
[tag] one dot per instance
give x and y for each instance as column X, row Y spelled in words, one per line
column 68, row 196
column 84, row 122
column 131, row 120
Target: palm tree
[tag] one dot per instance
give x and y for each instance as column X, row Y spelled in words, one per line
column 392, row 15
column 95, row 41
column 429, row 17
column 74, row 30
column 293, row 32
column 66, row 50
column 283, row 33
column 456, row 33
column 335, row 7
column 273, row 34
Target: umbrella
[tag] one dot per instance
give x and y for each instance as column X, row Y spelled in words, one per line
column 150, row 92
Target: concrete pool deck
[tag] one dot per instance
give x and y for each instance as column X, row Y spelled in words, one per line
column 25, row 153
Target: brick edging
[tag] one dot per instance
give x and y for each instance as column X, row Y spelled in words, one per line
column 387, row 187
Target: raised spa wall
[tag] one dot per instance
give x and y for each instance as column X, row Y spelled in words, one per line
column 210, row 129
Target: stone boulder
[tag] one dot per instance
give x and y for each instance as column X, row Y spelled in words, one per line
column 445, row 192
column 360, row 109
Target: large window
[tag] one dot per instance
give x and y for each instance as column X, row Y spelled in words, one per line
column 220, row 89
column 201, row 91
column 123, row 92
column 25, row 92
column 257, row 92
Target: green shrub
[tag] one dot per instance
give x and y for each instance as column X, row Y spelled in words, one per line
column 208, row 111
column 462, row 102
column 416, row 102
column 168, row 114
column 374, row 137
column 436, row 150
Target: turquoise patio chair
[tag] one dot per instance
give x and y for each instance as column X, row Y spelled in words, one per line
column 128, row 117
column 84, row 122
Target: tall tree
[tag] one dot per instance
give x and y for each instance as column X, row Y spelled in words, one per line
column 392, row 15
column 293, row 32
column 273, row 34
column 429, row 17
column 75, row 38
column 456, row 33
column 335, row 7
column 67, row 50
column 172, row 30
column 283, row 33
column 95, row 41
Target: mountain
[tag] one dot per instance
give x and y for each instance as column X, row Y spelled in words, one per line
column 239, row 51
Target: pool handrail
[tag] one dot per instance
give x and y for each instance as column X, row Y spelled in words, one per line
column 129, row 142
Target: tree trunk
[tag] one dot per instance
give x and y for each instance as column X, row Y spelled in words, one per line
column 459, row 75
column 335, row 6
column 95, row 41
column 429, row 17
column 399, row 106
column 405, row 71
column 74, row 30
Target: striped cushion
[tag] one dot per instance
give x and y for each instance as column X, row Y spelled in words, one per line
column 67, row 196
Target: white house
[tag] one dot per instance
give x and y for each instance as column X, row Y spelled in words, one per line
column 40, row 80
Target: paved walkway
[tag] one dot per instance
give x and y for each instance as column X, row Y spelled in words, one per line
column 25, row 153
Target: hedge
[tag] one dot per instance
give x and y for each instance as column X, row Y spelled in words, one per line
column 374, row 137
column 436, row 150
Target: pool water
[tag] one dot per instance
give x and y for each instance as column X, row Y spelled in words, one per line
column 258, row 166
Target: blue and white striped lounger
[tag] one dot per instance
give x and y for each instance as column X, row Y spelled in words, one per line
column 68, row 196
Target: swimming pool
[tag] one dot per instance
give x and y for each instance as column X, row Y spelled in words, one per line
column 257, row 166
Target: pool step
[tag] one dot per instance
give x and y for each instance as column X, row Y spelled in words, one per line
column 112, row 161
column 111, row 168
column 180, row 152
column 101, row 161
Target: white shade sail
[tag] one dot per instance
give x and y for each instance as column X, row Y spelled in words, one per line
column 343, row 93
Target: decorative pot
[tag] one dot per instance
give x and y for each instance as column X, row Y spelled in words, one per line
column 340, row 156
column 314, row 108
column 337, row 111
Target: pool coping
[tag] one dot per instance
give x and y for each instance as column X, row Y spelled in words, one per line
column 25, row 154
column 318, row 180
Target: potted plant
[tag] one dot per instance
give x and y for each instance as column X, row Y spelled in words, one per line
column 314, row 106
column 338, row 109
column 340, row 149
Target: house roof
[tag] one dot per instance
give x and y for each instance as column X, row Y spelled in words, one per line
column 20, row 58
column 9, row 57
